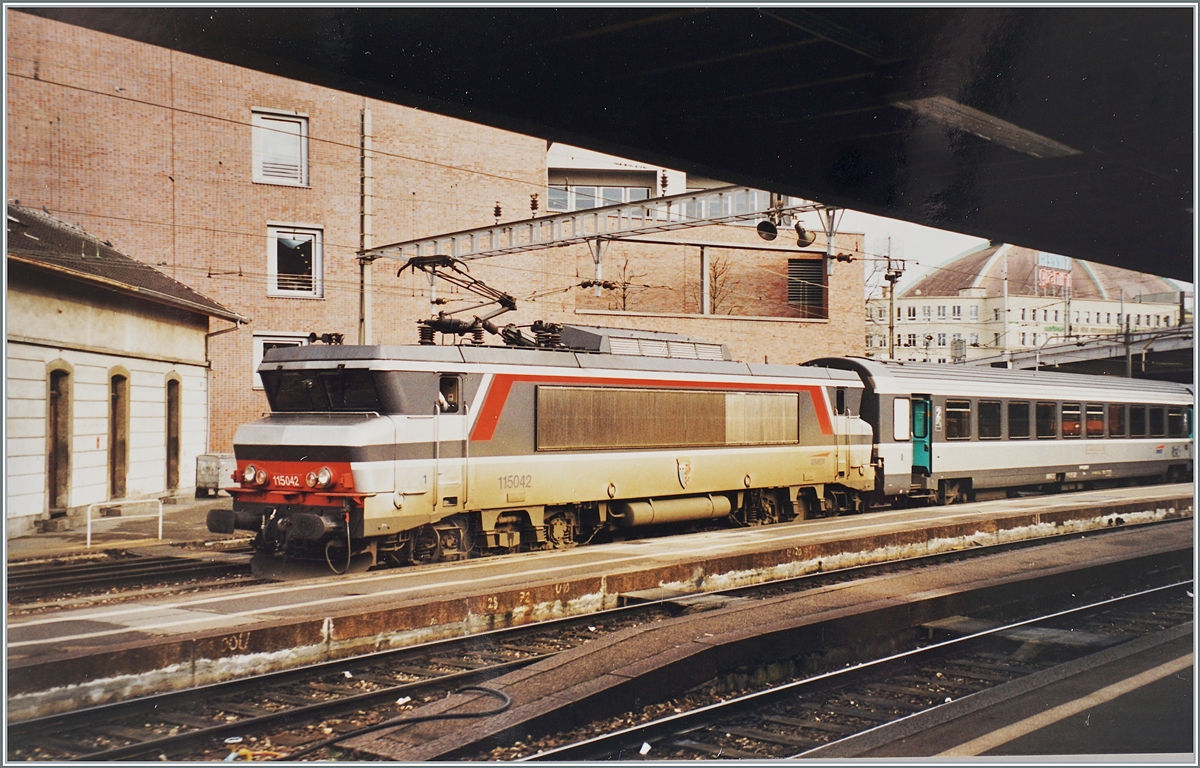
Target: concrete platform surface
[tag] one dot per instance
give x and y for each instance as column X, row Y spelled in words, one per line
column 106, row 653
column 183, row 523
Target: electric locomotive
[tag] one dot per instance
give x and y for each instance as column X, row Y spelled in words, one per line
column 377, row 454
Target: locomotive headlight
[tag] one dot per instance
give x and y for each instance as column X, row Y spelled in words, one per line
column 311, row 479
column 260, row 477
column 249, row 473
column 325, row 477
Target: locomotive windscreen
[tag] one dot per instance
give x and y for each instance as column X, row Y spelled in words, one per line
column 352, row 389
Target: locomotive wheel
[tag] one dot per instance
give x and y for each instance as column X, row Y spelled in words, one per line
column 560, row 530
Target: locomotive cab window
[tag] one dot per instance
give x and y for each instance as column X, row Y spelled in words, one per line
column 346, row 390
column 1018, row 420
column 448, row 394
column 989, row 419
column 1047, row 420
column 1116, row 421
column 1071, row 424
column 958, row 419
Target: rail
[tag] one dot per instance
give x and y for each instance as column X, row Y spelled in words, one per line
column 119, row 502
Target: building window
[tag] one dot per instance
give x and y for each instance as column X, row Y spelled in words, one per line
column 956, row 312
column 973, row 313
column 975, row 339
column 941, row 312
column 1108, row 318
column 267, row 341
column 294, row 262
column 1023, row 339
column 578, row 197
column 912, row 313
column 806, row 287
column 280, row 147
column 880, row 314
column 1022, row 313
column 927, row 312
column 1056, row 315
column 911, row 341
column 941, row 339
column 996, row 339
column 995, row 314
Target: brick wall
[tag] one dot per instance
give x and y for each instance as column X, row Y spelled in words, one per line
column 151, row 149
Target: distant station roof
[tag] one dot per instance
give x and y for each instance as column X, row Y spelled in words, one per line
column 985, row 268
column 42, row 241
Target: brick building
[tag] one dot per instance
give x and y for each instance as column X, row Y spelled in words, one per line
column 259, row 191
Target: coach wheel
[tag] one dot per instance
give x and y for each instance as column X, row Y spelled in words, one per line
column 560, row 530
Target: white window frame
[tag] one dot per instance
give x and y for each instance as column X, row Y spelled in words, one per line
column 267, row 169
column 273, row 337
column 274, row 233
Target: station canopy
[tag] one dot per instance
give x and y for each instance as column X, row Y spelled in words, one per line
column 1068, row 130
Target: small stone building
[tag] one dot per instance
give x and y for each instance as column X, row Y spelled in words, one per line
column 107, row 374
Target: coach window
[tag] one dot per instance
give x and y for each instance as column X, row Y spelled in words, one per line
column 1137, row 421
column 1047, row 420
column 1116, row 420
column 989, row 420
column 448, row 394
column 958, row 419
column 1018, row 420
column 1177, row 422
column 1095, row 419
column 1158, row 424
column 1071, row 426
column 900, row 416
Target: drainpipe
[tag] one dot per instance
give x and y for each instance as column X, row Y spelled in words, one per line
column 208, row 382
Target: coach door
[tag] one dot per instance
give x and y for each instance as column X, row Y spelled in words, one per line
column 922, row 436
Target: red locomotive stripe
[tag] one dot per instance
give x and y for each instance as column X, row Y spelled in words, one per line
column 497, row 396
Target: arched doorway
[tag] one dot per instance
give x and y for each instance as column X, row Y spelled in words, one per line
column 118, row 435
column 173, row 426
column 58, row 448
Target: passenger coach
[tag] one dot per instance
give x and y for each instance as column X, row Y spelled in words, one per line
column 955, row 433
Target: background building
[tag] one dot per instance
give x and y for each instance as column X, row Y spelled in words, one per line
column 260, row 191
column 1001, row 298
column 107, row 374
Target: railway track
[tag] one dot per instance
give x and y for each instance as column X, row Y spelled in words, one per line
column 59, row 581
column 803, row 717
column 287, row 711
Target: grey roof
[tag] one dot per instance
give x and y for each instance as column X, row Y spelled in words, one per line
column 42, row 241
column 940, row 377
column 562, row 358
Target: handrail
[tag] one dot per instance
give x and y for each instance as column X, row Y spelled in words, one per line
column 119, row 502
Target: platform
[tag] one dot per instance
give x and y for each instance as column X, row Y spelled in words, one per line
column 101, row 654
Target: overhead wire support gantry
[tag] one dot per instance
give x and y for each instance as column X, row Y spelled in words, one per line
column 663, row 214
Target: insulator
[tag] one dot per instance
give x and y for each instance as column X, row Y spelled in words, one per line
column 424, row 333
column 477, row 334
